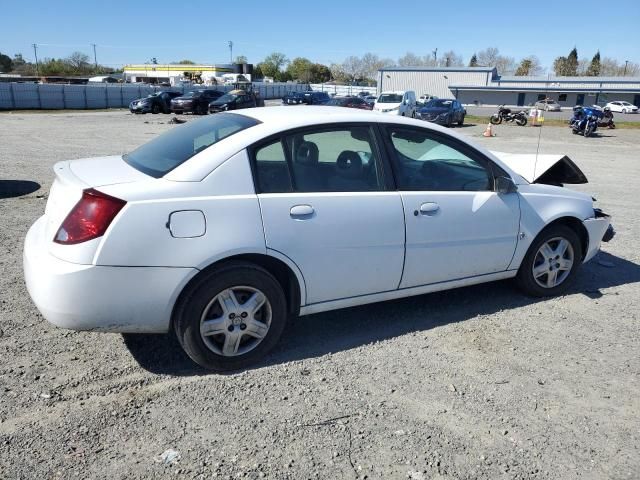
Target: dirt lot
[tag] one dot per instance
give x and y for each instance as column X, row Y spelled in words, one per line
column 478, row 382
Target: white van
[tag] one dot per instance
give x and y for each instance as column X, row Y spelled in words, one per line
column 401, row 103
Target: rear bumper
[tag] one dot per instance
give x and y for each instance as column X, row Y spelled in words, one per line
column 99, row 298
column 599, row 229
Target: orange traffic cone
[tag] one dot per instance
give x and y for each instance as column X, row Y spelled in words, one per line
column 488, row 132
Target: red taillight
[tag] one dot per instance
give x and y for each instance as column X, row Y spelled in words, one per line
column 89, row 218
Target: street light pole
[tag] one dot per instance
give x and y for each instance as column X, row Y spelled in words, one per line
column 230, row 51
column 35, row 53
column 95, row 58
column 626, row 62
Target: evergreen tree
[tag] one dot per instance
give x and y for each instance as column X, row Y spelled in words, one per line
column 474, row 61
column 594, row 67
column 572, row 63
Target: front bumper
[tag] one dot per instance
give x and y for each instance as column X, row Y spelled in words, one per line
column 600, row 230
column 99, row 298
column 145, row 108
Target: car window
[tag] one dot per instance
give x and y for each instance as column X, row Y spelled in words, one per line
column 272, row 171
column 426, row 162
column 174, row 147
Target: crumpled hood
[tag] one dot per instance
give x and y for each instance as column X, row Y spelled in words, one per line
column 548, row 169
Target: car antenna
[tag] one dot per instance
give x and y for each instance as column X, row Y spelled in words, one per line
column 535, row 163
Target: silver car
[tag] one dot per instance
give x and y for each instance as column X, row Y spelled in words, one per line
column 547, row 105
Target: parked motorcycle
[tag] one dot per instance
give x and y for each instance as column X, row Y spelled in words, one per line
column 607, row 120
column 585, row 120
column 506, row 115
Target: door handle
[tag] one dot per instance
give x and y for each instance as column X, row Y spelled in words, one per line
column 301, row 211
column 428, row 208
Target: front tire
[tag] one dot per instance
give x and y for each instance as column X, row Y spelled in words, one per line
column 521, row 121
column 550, row 265
column 155, row 109
column 231, row 316
column 495, row 119
column 461, row 122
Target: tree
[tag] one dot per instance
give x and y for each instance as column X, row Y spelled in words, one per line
column 410, row 60
column 320, row 73
column 337, row 73
column 6, row 64
column 300, row 69
column 241, row 59
column 474, row 61
column 450, row 59
column 572, row 63
column 184, row 62
column 352, row 67
column 529, row 66
column 490, row 57
column 594, row 67
column 272, row 64
column 78, row 61
column 153, row 61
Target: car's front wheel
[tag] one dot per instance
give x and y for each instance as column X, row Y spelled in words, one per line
column 551, row 263
column 231, row 316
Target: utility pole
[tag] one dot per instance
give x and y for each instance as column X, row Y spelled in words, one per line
column 626, row 62
column 230, row 51
column 435, row 56
column 95, row 58
column 35, row 53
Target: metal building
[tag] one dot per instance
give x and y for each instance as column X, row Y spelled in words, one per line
column 174, row 73
column 484, row 86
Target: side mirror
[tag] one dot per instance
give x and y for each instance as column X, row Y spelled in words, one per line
column 505, row 185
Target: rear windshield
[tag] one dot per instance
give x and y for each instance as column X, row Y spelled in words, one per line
column 170, row 149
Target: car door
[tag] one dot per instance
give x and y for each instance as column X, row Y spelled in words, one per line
column 457, row 226
column 325, row 206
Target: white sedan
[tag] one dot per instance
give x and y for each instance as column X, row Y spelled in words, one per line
column 622, row 107
column 223, row 228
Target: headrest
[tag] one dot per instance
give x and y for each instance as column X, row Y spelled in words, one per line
column 307, row 153
column 349, row 164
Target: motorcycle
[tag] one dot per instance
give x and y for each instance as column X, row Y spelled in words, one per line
column 607, row 120
column 585, row 121
column 506, row 115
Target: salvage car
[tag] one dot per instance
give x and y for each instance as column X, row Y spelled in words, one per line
column 293, row 98
column 196, row 101
column 234, row 100
column 548, row 105
column 443, row 111
column 155, row 103
column 315, row 98
column 223, row 228
column 349, row 102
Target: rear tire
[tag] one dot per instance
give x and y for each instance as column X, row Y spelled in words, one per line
column 521, row 121
column 230, row 338
column 155, row 109
column 461, row 122
column 547, row 272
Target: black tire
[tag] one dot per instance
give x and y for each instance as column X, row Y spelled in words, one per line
column 461, row 122
column 449, row 121
column 198, row 297
column 589, row 131
column 495, row 119
column 525, row 277
column 201, row 110
column 574, row 131
column 521, row 121
column 155, row 109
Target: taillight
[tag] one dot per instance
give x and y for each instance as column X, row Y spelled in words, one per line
column 89, row 218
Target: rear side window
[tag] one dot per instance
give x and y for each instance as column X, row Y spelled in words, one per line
column 171, row 149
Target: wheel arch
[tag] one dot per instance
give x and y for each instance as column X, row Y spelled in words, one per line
column 575, row 224
column 288, row 276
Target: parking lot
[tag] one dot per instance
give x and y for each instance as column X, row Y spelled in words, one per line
column 479, row 382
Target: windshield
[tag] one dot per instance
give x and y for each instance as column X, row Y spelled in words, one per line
column 390, row 98
column 194, row 93
column 170, row 149
column 338, row 102
column 438, row 103
column 226, row 98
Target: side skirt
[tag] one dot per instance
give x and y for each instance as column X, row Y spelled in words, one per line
column 405, row 292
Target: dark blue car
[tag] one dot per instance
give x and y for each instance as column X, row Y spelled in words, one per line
column 443, row 111
column 293, row 98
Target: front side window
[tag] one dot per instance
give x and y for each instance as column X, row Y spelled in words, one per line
column 171, row 149
column 341, row 159
column 426, row 162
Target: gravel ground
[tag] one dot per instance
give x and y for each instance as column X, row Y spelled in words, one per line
column 474, row 383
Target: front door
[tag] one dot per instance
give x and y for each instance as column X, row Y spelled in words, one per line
column 457, row 226
column 580, row 99
column 521, row 99
column 324, row 205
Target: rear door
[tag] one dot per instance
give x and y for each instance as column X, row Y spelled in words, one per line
column 457, row 226
column 325, row 205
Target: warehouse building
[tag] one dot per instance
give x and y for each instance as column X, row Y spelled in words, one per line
column 484, row 86
column 173, row 74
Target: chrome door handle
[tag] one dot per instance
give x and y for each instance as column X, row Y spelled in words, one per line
column 429, row 208
column 301, row 211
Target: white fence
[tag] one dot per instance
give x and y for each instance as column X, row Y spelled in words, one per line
column 342, row 89
column 52, row 96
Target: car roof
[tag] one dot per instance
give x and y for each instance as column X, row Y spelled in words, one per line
column 274, row 120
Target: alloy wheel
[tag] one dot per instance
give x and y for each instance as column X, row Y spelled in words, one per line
column 553, row 262
column 235, row 321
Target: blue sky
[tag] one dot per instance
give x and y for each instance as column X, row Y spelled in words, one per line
column 327, row 31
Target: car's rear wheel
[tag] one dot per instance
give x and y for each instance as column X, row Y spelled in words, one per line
column 551, row 263
column 230, row 317
column 155, row 109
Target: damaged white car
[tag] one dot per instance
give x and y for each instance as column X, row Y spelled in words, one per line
column 223, row 228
